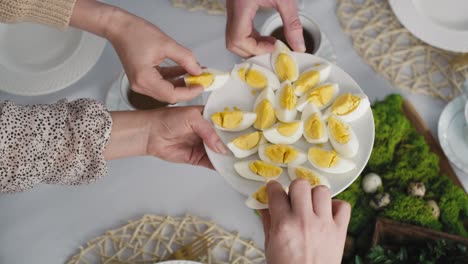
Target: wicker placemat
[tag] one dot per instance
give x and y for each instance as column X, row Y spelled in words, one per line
column 394, row 52
column 154, row 238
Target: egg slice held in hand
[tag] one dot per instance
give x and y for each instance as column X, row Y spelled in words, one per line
column 313, row 177
column 311, row 77
column 210, row 79
column 255, row 76
column 259, row 199
column 286, row 103
column 329, row 161
column 246, row 145
column 264, row 107
column 321, row 96
column 235, row 120
column 284, row 133
column 281, row 155
column 257, row 170
column 314, row 126
column 349, row 107
column 284, row 63
column 342, row 137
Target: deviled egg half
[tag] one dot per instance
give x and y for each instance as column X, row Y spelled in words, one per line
column 284, row 133
column 255, row 76
column 342, row 137
column 312, row 176
column 321, row 96
column 264, row 107
column 349, row 107
column 210, row 79
column 257, row 170
column 246, row 145
column 315, row 131
column 233, row 120
column 281, row 155
column 329, row 161
column 284, row 63
column 311, row 77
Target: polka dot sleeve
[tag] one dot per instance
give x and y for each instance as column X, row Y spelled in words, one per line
column 61, row 143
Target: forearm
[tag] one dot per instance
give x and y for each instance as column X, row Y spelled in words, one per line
column 129, row 135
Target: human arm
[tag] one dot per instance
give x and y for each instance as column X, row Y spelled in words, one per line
column 243, row 39
column 304, row 226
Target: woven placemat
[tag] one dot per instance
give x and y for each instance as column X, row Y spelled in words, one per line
column 154, row 238
column 395, row 53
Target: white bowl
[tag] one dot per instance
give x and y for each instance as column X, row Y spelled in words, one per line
column 308, row 23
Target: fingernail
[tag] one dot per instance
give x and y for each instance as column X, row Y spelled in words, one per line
column 221, row 148
column 300, row 46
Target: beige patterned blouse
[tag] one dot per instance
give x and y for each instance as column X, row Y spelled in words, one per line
column 61, row 143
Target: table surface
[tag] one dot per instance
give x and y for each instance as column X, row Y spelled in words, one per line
column 48, row 223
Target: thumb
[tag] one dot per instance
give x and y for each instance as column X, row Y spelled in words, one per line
column 206, row 132
column 292, row 25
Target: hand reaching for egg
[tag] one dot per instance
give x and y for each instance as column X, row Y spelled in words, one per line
column 303, row 226
column 244, row 40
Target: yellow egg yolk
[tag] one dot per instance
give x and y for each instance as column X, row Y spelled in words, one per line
column 265, row 115
column 306, row 81
column 314, row 127
column 288, row 98
column 248, row 141
column 345, row 104
column 308, row 175
column 281, row 153
column 323, row 158
column 205, row 79
column 288, row 129
column 261, row 195
column 339, row 130
column 255, row 79
column 228, row 119
column 321, row 95
column 264, row 169
column 285, row 67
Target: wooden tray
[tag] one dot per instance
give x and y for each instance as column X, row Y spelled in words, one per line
column 422, row 128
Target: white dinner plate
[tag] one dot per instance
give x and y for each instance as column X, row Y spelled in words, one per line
column 36, row 59
column 440, row 23
column 453, row 136
column 237, row 93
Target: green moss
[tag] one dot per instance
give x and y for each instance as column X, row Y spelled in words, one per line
column 391, row 126
column 352, row 193
column 453, row 206
column 362, row 215
column 409, row 209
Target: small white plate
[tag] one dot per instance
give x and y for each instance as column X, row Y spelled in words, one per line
column 37, row 60
column 453, row 133
column 440, row 23
column 237, row 93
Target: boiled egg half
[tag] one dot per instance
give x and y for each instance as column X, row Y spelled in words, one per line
column 314, row 126
column 264, row 107
column 349, row 107
column 342, row 137
column 313, row 177
column 329, row 161
column 284, row 63
column 210, row 79
column 259, row 199
column 311, row 77
column 281, row 155
column 286, row 103
column 321, row 96
column 255, row 76
column 285, row 133
column 257, row 170
column 246, row 145
column 233, row 120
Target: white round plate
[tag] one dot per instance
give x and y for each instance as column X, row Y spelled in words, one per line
column 440, row 23
column 453, row 135
column 36, row 59
column 237, row 93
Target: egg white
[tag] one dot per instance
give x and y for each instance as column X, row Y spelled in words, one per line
column 248, row 118
column 280, row 47
column 267, row 94
column 283, row 114
column 348, row 149
column 274, row 136
column 243, row 169
column 292, row 175
column 363, row 107
column 301, row 157
column 272, row 80
column 308, row 111
column 302, row 102
column 343, row 165
column 324, row 71
column 243, row 153
column 220, row 78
